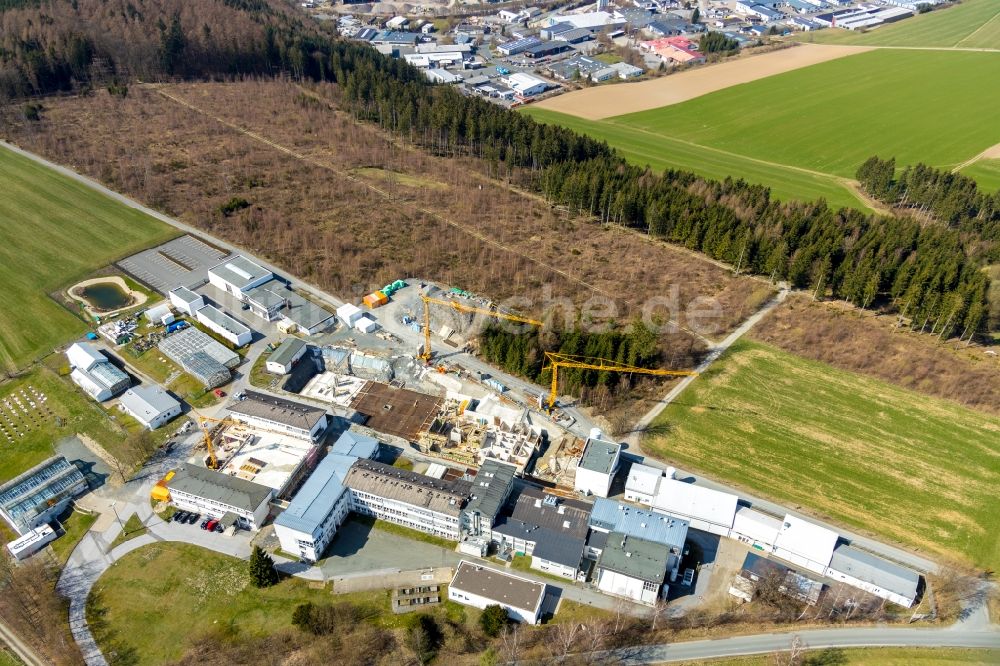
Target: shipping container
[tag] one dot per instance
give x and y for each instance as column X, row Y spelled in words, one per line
column 375, row 299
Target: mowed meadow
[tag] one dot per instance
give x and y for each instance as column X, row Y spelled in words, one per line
column 860, row 452
column 54, row 231
column 805, row 132
column 969, row 24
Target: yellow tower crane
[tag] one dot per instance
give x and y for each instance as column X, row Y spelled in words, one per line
column 426, row 355
column 556, row 361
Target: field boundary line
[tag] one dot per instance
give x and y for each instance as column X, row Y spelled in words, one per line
column 377, row 190
column 994, row 18
column 847, row 183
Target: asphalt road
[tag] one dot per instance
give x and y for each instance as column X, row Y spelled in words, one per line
column 814, row 639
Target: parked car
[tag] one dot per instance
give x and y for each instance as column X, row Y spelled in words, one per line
column 204, row 523
column 193, row 518
column 179, row 516
column 211, row 525
column 218, row 528
column 219, row 393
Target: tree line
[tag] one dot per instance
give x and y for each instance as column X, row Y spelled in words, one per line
column 523, row 354
column 949, row 197
column 924, row 272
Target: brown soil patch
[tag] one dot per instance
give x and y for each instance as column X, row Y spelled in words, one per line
column 293, row 157
column 860, row 341
column 615, row 100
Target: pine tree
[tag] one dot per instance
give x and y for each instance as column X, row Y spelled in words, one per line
column 262, row 571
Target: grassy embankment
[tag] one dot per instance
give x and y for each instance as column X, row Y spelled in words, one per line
column 861, row 452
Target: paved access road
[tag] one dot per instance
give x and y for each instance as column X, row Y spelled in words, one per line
column 814, row 639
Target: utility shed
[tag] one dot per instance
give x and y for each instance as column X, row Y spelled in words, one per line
column 806, row 544
column 873, row 574
column 706, row 509
column 280, row 362
column 478, row 586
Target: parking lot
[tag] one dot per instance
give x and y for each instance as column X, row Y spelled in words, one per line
column 183, row 261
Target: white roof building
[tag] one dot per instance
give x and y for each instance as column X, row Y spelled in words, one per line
column 150, row 405
column 84, row 356
column 227, row 327
column 597, row 467
column 186, row 300
column 806, row 544
column 526, row 85
column 349, row 313
column 757, row 529
column 238, row 275
column 160, row 314
column 479, row 586
column 641, row 483
column 706, row 509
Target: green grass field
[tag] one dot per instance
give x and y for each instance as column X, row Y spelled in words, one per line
column 986, row 173
column 662, row 152
column 971, row 24
column 860, row 452
column 804, row 131
column 54, row 231
column 66, row 411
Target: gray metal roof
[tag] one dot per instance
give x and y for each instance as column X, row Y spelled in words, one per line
column 611, row 516
column 447, row 497
column 268, row 295
column 352, row 444
column 218, row 487
column 871, row 569
column 221, row 319
column 304, row 312
column 185, row 294
column 148, row 401
column 551, row 545
column 635, row 557
column 318, row 495
column 240, row 271
column 599, row 456
column 287, row 412
column 107, row 375
column 286, row 351
column 491, row 488
column 497, row 586
column 535, row 507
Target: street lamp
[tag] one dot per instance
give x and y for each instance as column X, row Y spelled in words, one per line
column 113, row 508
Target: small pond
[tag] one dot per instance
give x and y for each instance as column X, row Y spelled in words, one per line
column 105, row 296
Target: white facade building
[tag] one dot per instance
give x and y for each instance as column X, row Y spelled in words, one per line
column 283, row 359
column 94, row 373
column 297, row 419
column 526, row 85
column 641, row 483
column 873, row 574
column 407, row 498
column 186, row 301
column 705, row 509
column 478, row 586
column 323, row 503
column 238, row 275
column 805, row 544
column 160, row 314
column 633, row 568
column 219, row 322
column 150, row 405
column 213, row 495
column 755, row 529
column 32, row 542
column 597, row 467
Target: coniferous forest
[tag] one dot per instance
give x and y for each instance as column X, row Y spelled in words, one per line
column 931, row 273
